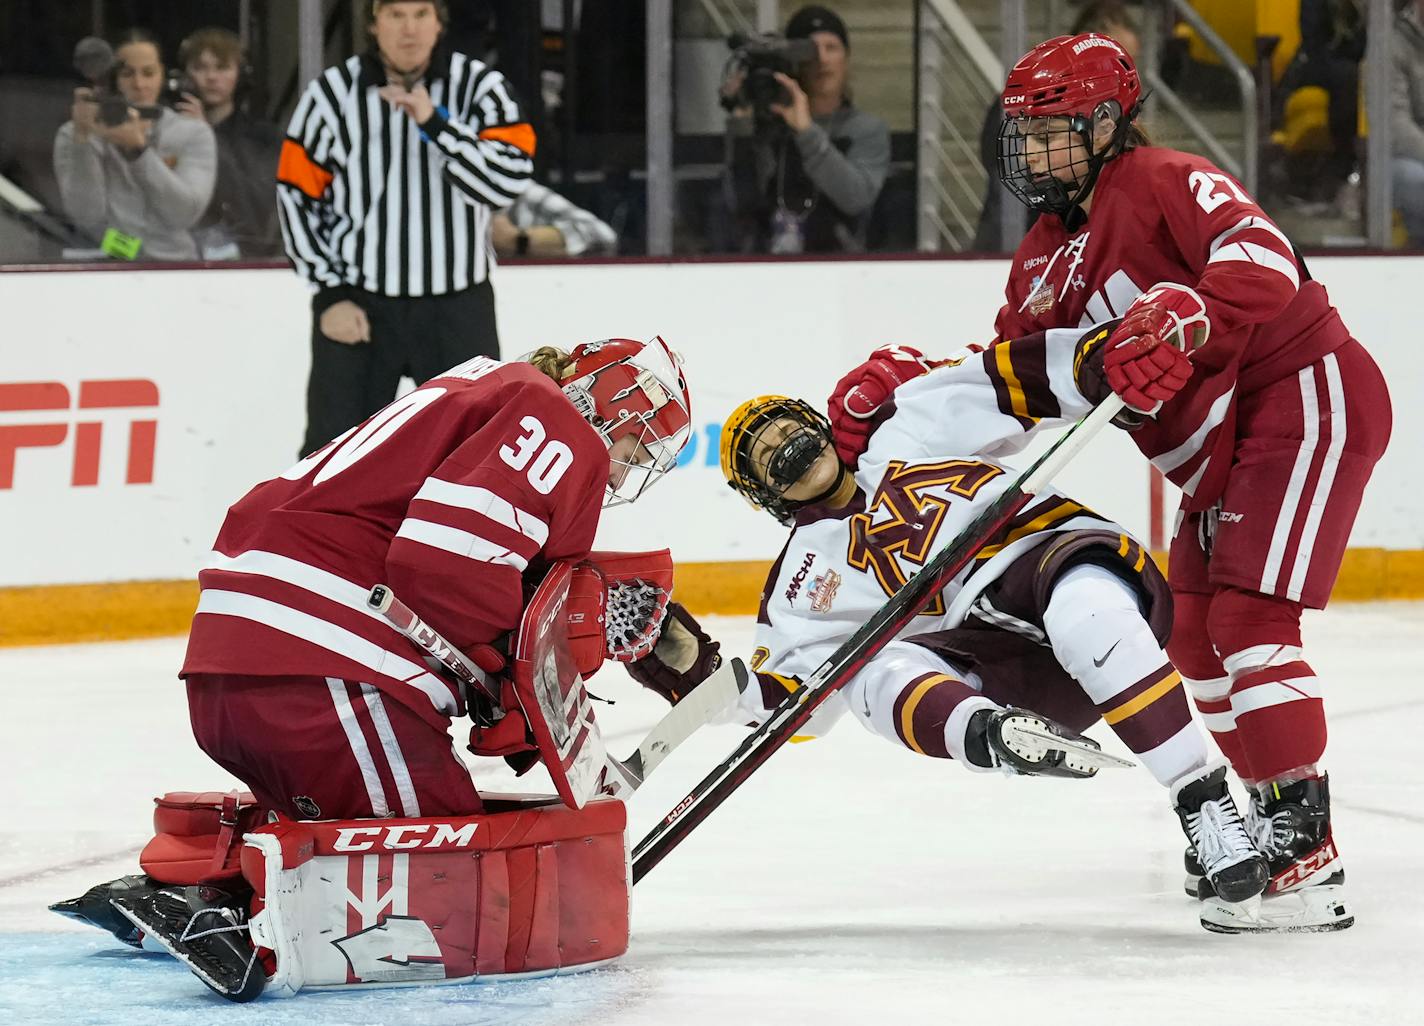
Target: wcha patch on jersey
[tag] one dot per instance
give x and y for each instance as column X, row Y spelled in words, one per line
column 823, row 591
column 794, row 588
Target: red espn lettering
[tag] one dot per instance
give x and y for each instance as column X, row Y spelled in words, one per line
column 115, row 394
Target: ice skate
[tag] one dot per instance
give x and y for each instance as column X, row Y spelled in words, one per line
column 1231, row 864
column 205, row 929
column 1027, row 743
column 95, row 907
column 1258, row 828
column 1305, row 893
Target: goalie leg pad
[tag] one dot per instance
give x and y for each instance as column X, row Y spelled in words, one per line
column 198, row 836
column 535, row 890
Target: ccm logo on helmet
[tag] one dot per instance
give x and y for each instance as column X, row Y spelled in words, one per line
column 1095, row 41
column 1015, row 99
column 404, row 837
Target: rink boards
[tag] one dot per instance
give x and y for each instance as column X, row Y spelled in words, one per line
column 135, row 406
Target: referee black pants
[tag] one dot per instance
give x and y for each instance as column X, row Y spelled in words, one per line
column 417, row 338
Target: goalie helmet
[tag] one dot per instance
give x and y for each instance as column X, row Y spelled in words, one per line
column 1082, row 79
column 768, row 444
column 632, row 390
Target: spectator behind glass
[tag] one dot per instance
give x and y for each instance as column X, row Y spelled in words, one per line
column 241, row 220
column 1407, row 92
column 1105, row 17
column 1332, row 45
column 149, row 177
column 805, row 181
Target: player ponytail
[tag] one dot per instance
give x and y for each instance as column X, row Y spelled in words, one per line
column 552, row 361
column 1136, row 136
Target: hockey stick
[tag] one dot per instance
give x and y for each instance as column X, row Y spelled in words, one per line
column 861, row 647
column 697, row 707
column 383, row 602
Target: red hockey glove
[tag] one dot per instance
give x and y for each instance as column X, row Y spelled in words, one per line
column 863, row 391
column 508, row 736
column 486, row 657
column 1146, row 359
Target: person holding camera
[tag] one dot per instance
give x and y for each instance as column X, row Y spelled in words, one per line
column 394, row 164
column 133, row 173
column 241, row 220
column 804, row 165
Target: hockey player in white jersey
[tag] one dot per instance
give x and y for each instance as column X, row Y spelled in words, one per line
column 1063, row 613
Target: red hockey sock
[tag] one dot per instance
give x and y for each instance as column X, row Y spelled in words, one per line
column 1280, row 717
column 1191, row 651
column 1275, row 695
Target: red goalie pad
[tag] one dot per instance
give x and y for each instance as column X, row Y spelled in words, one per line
column 533, row 890
column 197, row 836
column 552, row 695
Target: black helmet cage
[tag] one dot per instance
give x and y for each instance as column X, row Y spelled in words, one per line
column 1045, row 193
column 764, row 479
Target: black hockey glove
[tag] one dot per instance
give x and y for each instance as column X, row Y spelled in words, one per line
column 1092, row 381
column 682, row 659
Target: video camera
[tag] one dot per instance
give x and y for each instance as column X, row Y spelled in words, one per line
column 95, row 60
column 759, row 58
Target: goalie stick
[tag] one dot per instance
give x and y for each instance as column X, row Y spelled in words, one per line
column 696, row 709
column 384, row 603
column 843, row 664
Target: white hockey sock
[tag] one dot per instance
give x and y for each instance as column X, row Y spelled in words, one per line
column 1097, row 630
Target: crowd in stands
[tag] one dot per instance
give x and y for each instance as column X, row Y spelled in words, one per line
column 165, row 157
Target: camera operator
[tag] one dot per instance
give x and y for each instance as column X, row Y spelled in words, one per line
column 804, row 165
column 241, row 220
column 134, row 174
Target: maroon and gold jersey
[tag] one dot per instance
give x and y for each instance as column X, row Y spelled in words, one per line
column 1162, row 216
column 446, row 495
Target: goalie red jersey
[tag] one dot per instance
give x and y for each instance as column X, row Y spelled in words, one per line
column 1163, row 216
column 480, row 471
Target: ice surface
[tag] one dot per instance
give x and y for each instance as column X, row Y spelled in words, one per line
column 848, row 882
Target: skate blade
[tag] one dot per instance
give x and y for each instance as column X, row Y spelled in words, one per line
column 1077, row 754
column 1323, row 911
column 247, row 989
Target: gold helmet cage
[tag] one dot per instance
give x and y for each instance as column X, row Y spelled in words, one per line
column 763, row 477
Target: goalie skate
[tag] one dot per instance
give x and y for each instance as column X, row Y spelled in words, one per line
column 1034, row 745
column 95, row 907
column 199, row 927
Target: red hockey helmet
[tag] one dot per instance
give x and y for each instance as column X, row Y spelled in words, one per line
column 1078, row 79
column 632, row 390
column 1071, row 75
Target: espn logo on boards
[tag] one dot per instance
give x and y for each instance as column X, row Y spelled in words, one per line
column 69, row 407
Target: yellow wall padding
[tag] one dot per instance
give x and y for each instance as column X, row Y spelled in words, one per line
column 63, row 614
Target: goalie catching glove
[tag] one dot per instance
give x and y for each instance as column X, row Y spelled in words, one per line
column 616, row 607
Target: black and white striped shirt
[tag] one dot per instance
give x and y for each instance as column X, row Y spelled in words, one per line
column 367, row 199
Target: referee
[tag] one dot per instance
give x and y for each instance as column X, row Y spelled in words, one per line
column 394, row 164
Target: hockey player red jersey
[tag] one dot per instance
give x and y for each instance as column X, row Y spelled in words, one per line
column 482, row 470
column 1162, row 216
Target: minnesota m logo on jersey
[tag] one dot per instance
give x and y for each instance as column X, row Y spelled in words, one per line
column 913, row 518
